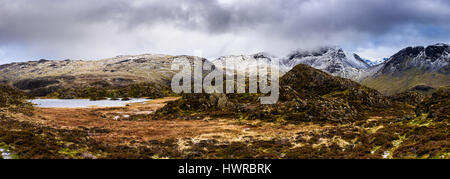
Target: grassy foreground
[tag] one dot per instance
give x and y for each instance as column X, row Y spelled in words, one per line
column 415, row 131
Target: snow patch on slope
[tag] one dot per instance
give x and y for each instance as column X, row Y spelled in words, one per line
column 332, row 60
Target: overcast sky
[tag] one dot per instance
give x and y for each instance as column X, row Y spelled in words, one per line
column 92, row 29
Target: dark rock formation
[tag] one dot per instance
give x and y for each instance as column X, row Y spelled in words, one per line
column 436, row 107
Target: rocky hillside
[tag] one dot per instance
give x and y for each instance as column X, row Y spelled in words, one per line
column 422, row 69
column 358, row 122
column 307, row 94
column 310, row 91
column 45, row 77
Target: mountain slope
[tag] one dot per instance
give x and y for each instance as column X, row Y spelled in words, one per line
column 413, row 68
column 244, row 63
column 47, row 76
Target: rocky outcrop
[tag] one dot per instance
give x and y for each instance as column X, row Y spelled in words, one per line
column 436, row 107
column 200, row 102
column 327, row 97
column 305, row 78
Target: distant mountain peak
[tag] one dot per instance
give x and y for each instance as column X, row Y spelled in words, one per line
column 319, row 51
column 441, row 45
column 330, row 59
column 431, row 58
column 371, row 63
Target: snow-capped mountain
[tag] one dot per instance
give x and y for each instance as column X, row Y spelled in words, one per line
column 408, row 68
column 372, row 63
column 242, row 63
column 332, row 60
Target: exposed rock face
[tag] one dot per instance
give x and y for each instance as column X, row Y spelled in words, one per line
column 430, row 59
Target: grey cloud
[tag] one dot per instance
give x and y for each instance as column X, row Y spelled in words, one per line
column 46, row 22
column 294, row 16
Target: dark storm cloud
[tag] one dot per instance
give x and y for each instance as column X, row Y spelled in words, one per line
column 293, row 16
column 52, row 24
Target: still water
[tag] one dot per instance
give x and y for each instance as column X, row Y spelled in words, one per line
column 83, row 103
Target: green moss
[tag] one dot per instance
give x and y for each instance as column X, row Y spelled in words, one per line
column 421, row 121
column 73, row 153
column 389, row 84
column 396, row 145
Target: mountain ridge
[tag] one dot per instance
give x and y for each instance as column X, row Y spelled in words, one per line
column 411, row 68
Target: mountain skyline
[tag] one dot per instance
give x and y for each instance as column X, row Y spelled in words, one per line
column 416, row 67
column 373, row 29
column 368, row 61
